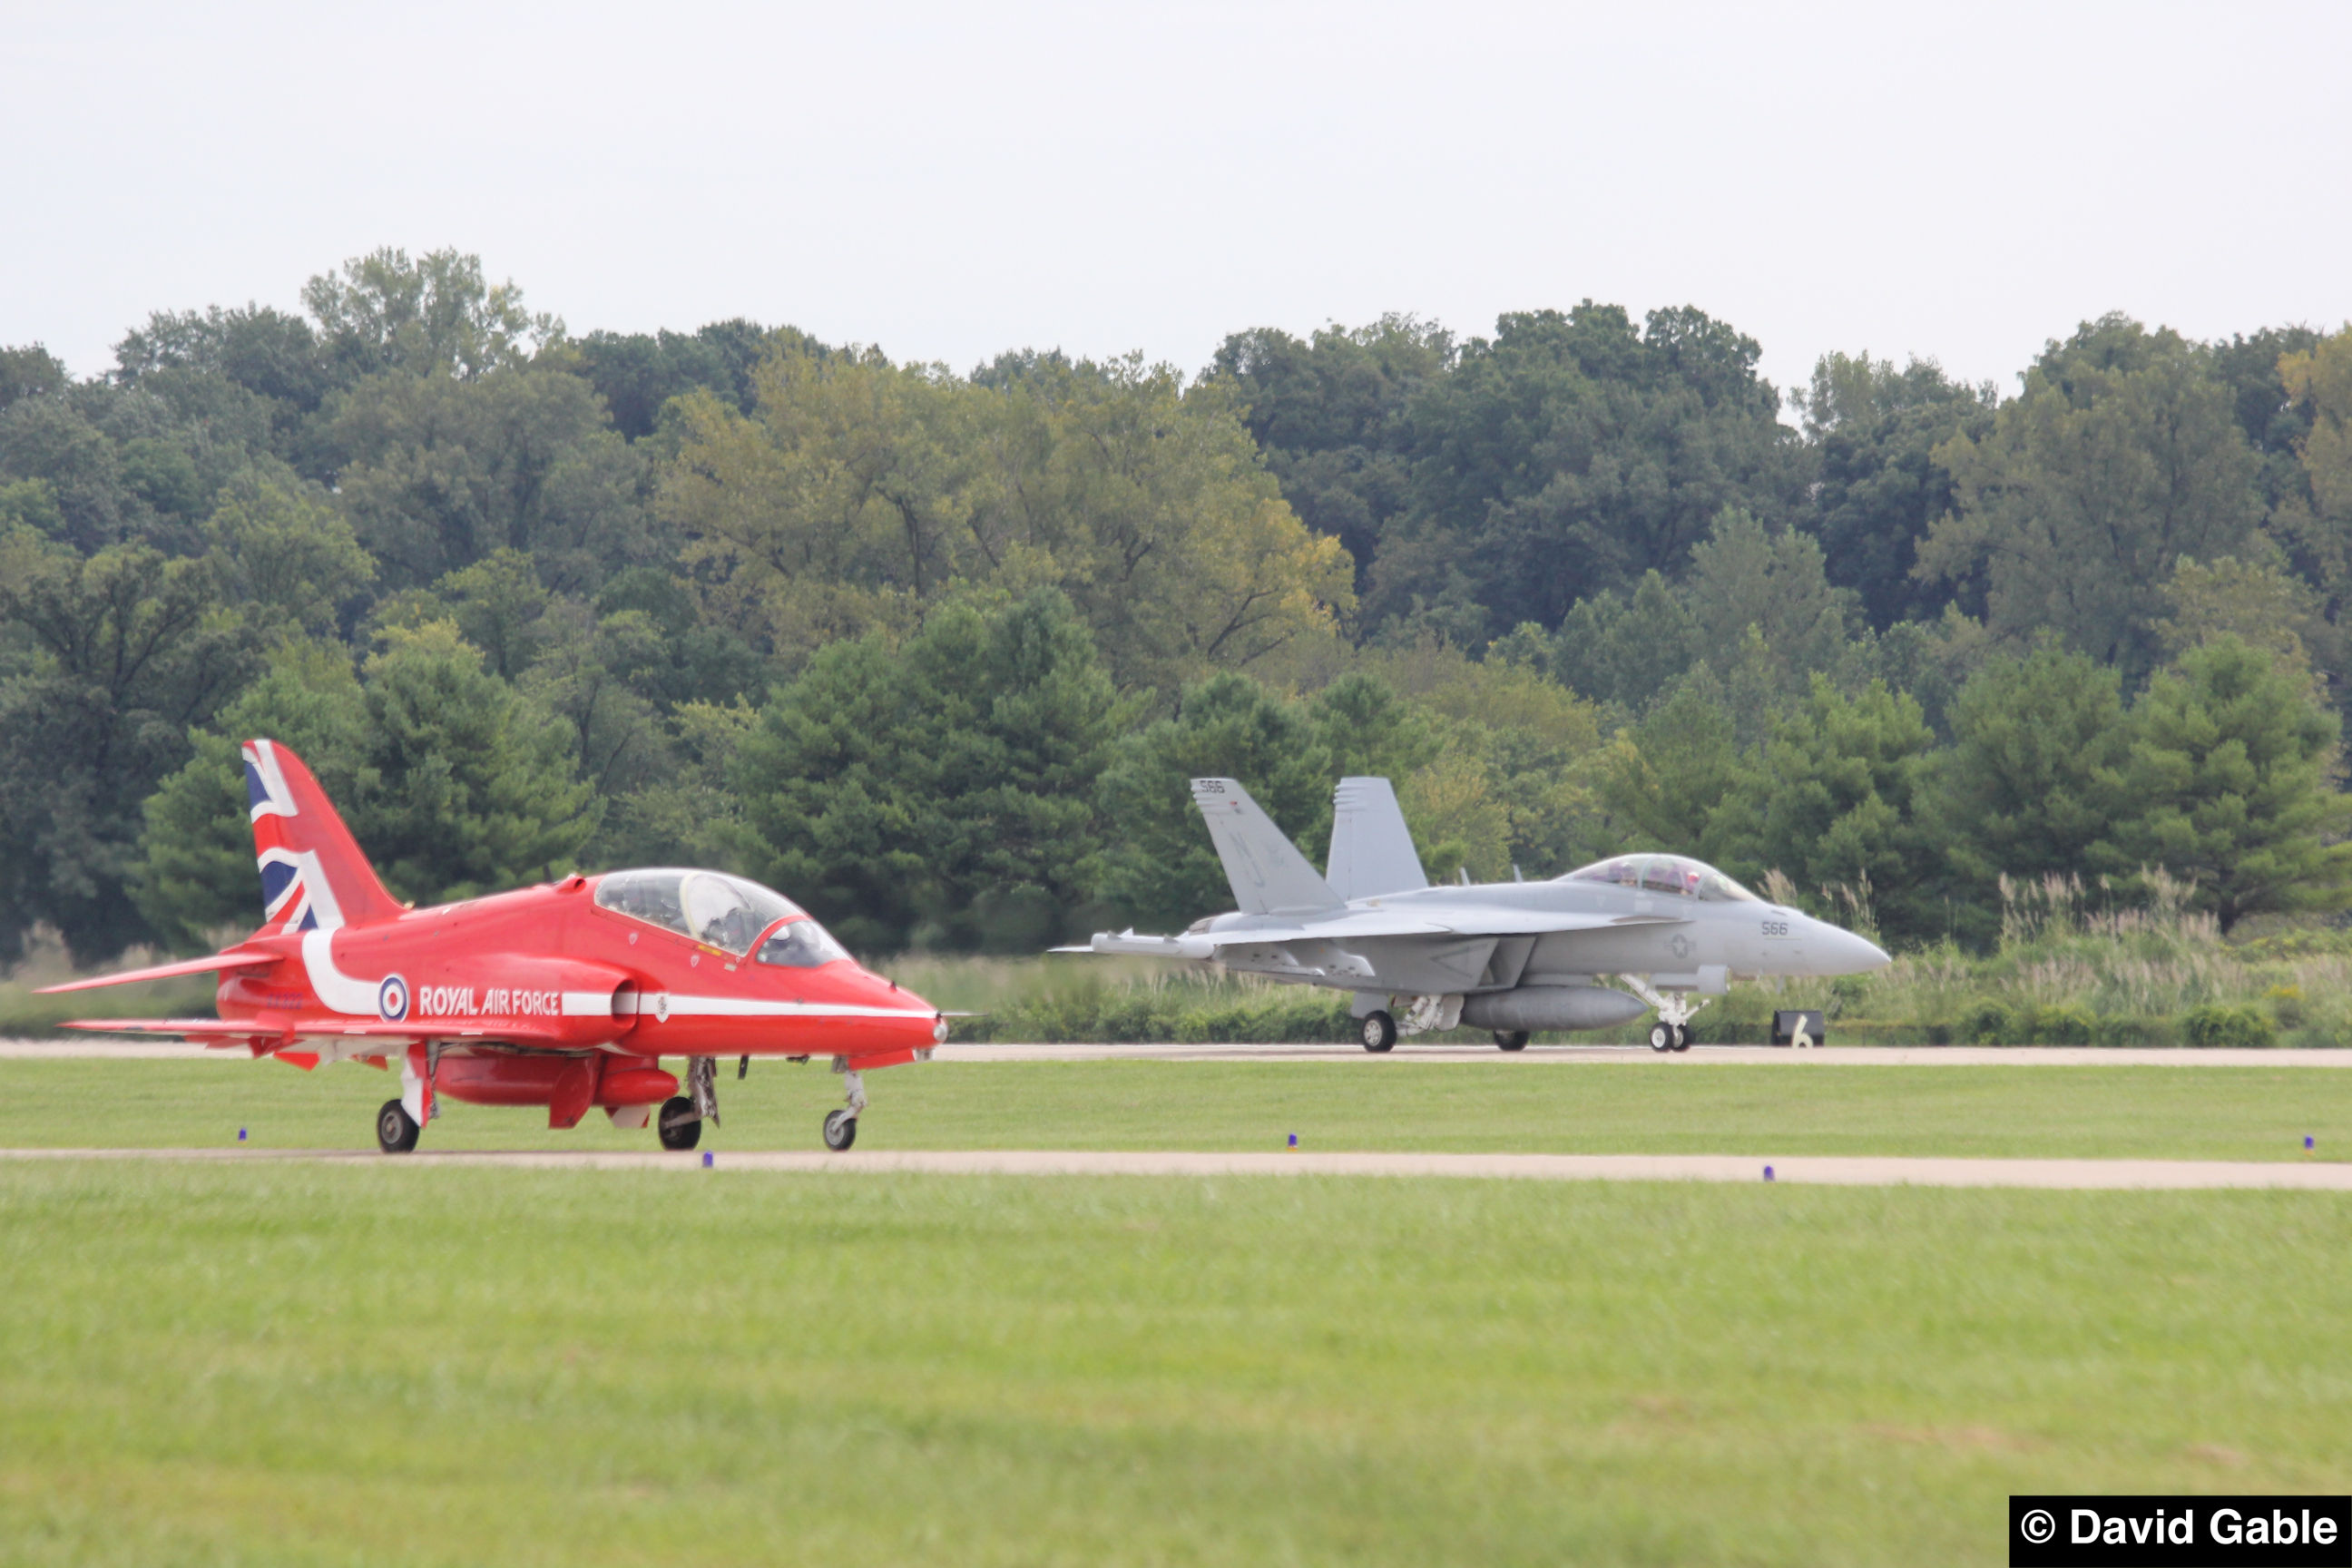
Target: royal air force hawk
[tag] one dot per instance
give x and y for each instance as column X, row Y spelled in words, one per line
column 1512, row 957
column 567, row 996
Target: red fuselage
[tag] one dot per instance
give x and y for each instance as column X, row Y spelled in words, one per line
column 494, row 984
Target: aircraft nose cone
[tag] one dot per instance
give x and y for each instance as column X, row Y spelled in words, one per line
column 1847, row 954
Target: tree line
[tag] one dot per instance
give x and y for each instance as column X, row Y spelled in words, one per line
column 935, row 651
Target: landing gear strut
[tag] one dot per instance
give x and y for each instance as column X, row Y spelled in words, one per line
column 396, row 1129
column 841, row 1126
column 1672, row 1031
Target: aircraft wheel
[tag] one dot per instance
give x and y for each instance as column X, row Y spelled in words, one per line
column 840, row 1130
column 1682, row 1037
column 395, row 1132
column 1662, row 1038
column 1380, row 1031
column 1514, row 1041
column 686, row 1134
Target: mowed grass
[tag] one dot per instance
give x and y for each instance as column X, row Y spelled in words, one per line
column 396, row 1364
column 1674, row 1105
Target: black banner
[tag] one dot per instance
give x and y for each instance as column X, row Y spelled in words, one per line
column 2207, row 1531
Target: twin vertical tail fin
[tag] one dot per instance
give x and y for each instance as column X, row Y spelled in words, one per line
column 1270, row 877
column 313, row 875
column 1371, row 849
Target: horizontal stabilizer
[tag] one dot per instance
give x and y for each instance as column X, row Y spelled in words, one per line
column 1270, row 877
column 1371, row 849
column 235, row 958
column 212, row 1031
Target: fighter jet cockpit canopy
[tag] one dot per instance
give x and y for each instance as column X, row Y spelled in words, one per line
column 1674, row 874
column 726, row 912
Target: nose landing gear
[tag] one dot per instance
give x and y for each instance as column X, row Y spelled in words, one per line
column 841, row 1126
column 396, row 1129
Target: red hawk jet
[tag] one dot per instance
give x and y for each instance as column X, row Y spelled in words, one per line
column 566, row 996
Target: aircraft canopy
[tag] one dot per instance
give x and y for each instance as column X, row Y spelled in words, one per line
column 711, row 907
column 1675, row 874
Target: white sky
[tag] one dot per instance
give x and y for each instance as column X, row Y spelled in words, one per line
column 949, row 180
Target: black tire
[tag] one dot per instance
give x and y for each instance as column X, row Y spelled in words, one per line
column 1662, row 1038
column 1379, row 1032
column 396, row 1129
column 686, row 1134
column 1682, row 1037
column 840, row 1131
column 1512, row 1040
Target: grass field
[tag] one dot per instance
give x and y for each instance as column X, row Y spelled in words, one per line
column 393, row 1364
column 1671, row 1106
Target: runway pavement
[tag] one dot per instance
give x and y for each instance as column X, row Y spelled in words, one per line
column 2172, row 1176
column 100, row 1047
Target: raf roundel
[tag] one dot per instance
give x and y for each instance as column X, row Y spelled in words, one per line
column 392, row 999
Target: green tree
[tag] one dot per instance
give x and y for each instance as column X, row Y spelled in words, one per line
column 436, row 314
column 1664, row 778
column 2023, row 789
column 939, row 790
column 1877, row 429
column 1573, row 452
column 287, row 555
column 437, row 473
column 2122, row 454
column 29, row 371
column 857, row 491
column 1331, row 415
column 196, row 871
column 1833, row 801
column 2314, row 520
column 1158, row 867
column 1745, row 582
column 121, row 654
column 1628, row 651
column 470, row 789
column 2227, row 784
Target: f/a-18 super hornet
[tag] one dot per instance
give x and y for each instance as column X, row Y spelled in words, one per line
column 1511, row 957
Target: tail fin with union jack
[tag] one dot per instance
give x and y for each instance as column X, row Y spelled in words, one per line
column 314, row 874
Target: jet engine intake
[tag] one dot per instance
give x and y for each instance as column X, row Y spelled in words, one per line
column 1533, row 1007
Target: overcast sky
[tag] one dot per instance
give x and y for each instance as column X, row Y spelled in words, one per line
column 949, row 180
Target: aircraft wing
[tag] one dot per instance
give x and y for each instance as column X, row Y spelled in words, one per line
column 1457, row 920
column 209, row 1031
column 291, row 1031
column 1450, row 921
column 235, row 958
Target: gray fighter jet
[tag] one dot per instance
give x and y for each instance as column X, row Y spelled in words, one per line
column 1511, row 957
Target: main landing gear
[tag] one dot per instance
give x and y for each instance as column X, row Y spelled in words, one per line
column 1380, row 1031
column 1670, row 1036
column 396, row 1129
column 841, row 1126
column 680, row 1125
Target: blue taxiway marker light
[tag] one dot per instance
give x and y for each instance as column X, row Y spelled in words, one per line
column 2308, row 1144
column 240, row 1138
column 1294, row 1139
column 1768, row 1173
column 705, row 1158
